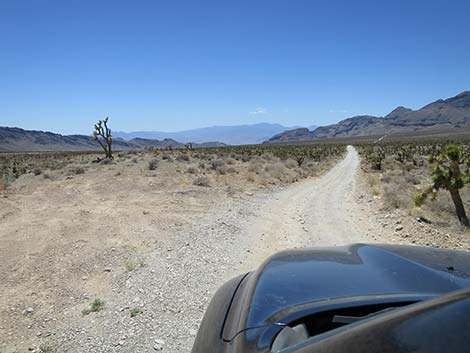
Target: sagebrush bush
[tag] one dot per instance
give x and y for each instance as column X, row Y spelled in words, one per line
column 167, row 157
column 217, row 164
column 251, row 178
column 95, row 306
column 276, row 170
column 290, row 163
column 153, row 164
column 76, row 170
column 221, row 170
column 255, row 167
column 202, row 181
column 183, row 158
column 106, row 161
column 191, row 170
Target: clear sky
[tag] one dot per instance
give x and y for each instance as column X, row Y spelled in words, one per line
column 172, row 65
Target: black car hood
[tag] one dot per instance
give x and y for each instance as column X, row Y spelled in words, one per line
column 294, row 278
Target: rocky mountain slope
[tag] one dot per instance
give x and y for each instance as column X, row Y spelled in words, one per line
column 448, row 114
column 18, row 140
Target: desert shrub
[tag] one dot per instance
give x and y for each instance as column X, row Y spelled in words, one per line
column 386, row 179
column 191, row 170
column 202, row 166
column 268, row 157
column 251, row 178
column 230, row 161
column 409, row 167
column 232, row 170
column 217, row 164
column 76, row 170
column 46, row 176
column 309, row 165
column 276, row 170
column 136, row 311
column 412, row 179
column 391, row 199
column 37, row 171
column 255, row 167
column 290, row 163
column 202, row 181
column 245, row 158
column 221, row 170
column 183, row 158
column 133, row 264
column 419, row 199
column 106, row 161
column 167, row 157
column 153, row 164
column 95, row 306
column 134, row 160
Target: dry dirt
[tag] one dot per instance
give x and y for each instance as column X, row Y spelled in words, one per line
column 152, row 243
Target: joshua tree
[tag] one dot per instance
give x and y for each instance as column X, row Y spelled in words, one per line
column 102, row 134
column 447, row 175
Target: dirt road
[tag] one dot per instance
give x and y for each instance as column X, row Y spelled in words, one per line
column 315, row 212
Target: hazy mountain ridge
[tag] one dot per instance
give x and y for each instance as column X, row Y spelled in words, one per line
column 231, row 135
column 452, row 113
column 14, row 139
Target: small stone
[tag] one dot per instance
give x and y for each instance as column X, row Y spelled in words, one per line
column 158, row 346
column 107, row 269
column 398, row 228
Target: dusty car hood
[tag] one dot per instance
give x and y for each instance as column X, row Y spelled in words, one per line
column 294, row 278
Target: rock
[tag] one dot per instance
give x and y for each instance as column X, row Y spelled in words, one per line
column 158, row 346
column 423, row 219
column 398, row 228
column 107, row 269
column 28, row 311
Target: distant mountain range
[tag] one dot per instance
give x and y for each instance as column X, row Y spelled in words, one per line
column 231, row 135
column 448, row 114
column 18, row 140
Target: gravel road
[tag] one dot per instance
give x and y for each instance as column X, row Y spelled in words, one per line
column 186, row 267
column 314, row 212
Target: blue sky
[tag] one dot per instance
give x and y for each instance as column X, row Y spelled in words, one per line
column 172, row 65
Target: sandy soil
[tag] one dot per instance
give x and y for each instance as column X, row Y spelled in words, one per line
column 142, row 242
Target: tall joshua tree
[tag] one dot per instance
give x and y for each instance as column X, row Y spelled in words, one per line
column 447, row 175
column 102, row 134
